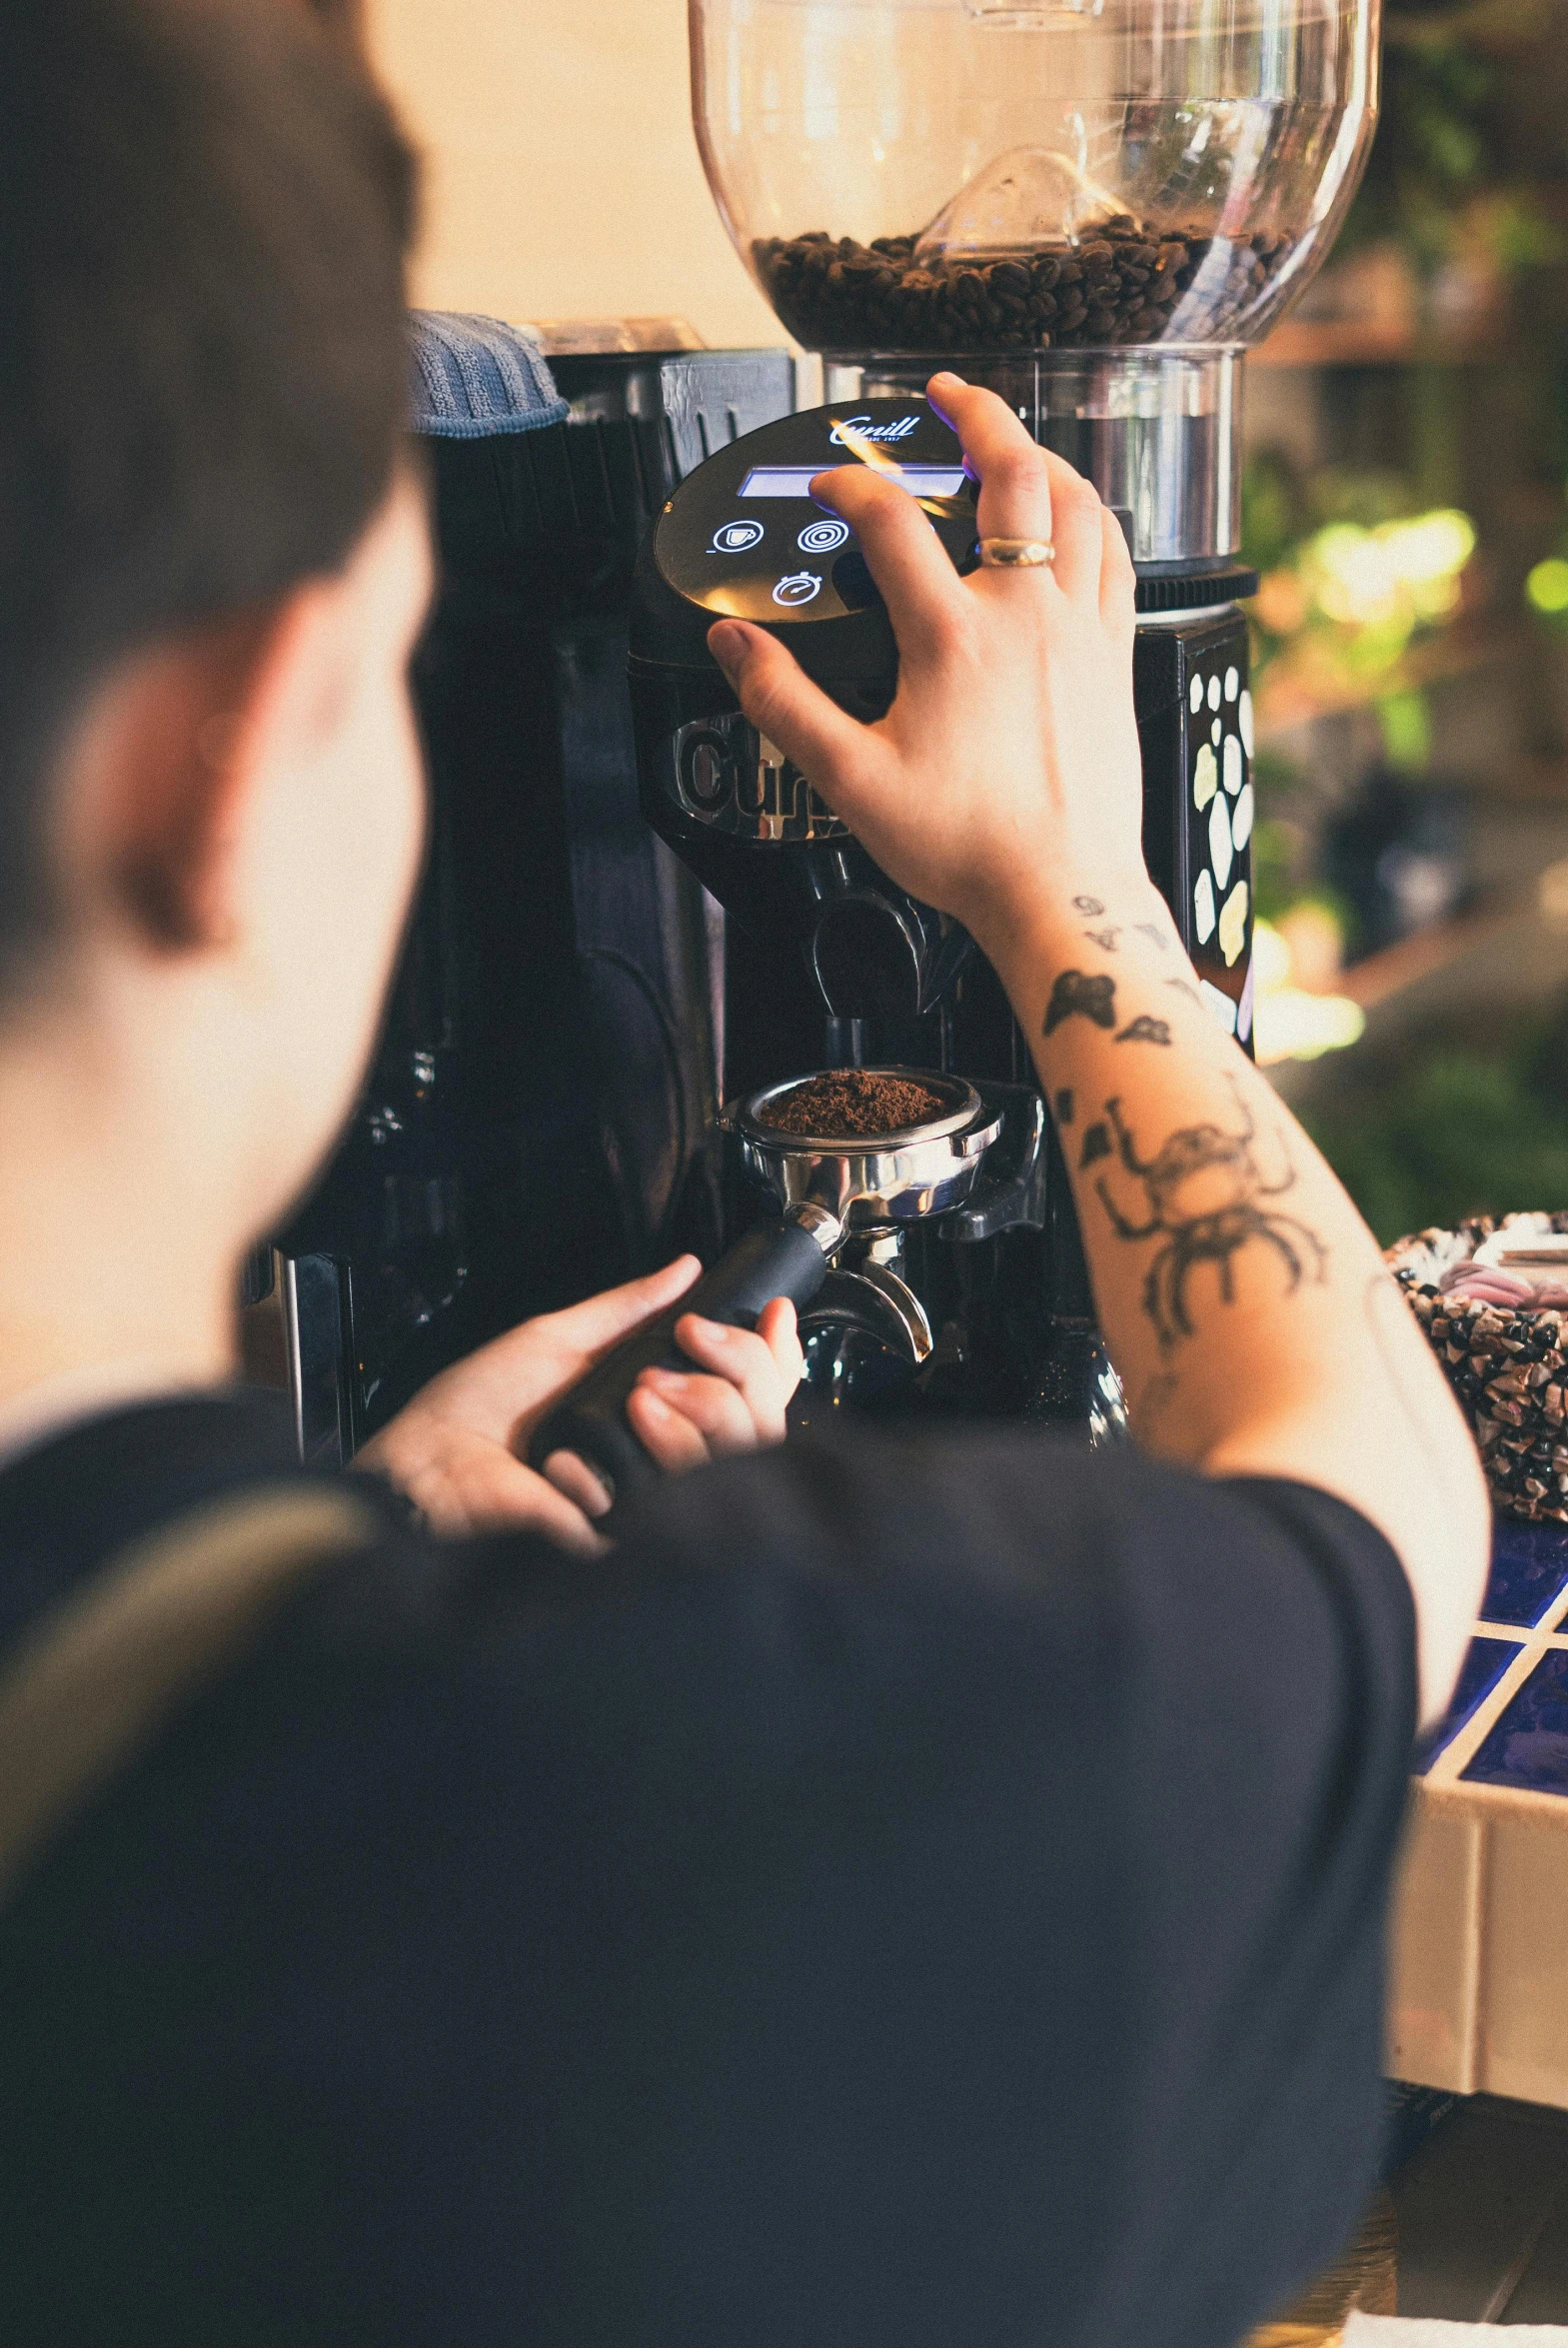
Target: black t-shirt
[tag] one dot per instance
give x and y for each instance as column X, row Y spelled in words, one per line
column 918, row 1894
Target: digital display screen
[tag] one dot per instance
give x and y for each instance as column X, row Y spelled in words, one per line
column 795, row 481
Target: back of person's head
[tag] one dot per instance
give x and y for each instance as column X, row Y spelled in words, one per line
column 204, row 212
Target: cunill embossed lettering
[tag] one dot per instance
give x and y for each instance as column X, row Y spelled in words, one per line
column 864, row 428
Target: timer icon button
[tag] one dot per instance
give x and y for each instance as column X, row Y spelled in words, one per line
column 824, row 538
column 736, row 538
column 801, row 587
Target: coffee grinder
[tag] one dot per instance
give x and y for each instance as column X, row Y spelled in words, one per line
column 1093, row 207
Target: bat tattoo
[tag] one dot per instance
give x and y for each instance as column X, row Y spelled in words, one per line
column 1064, row 1106
column 1202, row 1190
column 1077, row 994
column 1144, row 1029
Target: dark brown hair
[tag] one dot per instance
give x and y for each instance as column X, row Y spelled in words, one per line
column 205, row 208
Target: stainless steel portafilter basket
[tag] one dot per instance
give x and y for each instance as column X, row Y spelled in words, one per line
column 832, row 1191
column 864, row 1181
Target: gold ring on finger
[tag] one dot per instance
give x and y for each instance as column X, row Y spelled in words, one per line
column 1017, row 554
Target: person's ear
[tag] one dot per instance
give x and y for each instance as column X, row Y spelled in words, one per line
column 167, row 753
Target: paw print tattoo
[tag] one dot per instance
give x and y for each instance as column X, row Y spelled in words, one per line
column 1087, row 904
column 1064, row 1106
column 1144, row 1030
column 1096, row 1145
column 1077, row 994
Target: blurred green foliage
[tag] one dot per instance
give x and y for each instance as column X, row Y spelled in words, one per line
column 1457, row 1132
column 1283, row 504
column 1440, row 173
column 1274, row 851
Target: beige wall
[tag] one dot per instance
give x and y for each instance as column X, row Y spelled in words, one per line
column 562, row 176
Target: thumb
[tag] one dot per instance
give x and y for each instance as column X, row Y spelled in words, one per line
column 787, row 709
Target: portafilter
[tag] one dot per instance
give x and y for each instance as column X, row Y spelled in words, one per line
column 829, row 1187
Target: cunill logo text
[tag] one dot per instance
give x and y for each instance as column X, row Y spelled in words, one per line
column 865, row 429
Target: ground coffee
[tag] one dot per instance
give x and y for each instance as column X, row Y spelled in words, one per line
column 1122, row 283
column 854, row 1104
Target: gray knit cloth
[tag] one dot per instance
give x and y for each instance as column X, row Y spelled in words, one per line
column 476, row 376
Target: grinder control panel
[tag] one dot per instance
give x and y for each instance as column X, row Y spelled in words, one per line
column 744, row 539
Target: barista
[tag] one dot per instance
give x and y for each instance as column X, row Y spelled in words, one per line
column 908, row 1892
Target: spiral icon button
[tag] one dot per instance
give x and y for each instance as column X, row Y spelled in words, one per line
column 822, row 538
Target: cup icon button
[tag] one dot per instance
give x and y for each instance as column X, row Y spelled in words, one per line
column 736, row 538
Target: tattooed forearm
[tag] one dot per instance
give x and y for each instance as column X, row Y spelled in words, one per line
column 1201, row 1197
column 1388, row 1318
column 1154, row 1400
column 1096, row 1144
column 1064, row 1106
column 1077, row 994
column 1144, row 1029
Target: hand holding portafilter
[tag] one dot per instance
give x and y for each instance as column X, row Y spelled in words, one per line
column 785, row 1259
column 828, row 1186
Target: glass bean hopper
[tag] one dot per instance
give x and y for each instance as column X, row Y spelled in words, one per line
column 1096, row 206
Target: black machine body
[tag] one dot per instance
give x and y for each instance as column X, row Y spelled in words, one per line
column 537, row 1122
column 830, row 964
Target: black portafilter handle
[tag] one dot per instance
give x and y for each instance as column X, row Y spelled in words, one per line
column 785, row 1259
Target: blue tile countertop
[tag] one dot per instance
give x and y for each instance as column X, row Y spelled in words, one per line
column 1529, row 1572
column 1521, row 1737
column 1526, row 1595
column 1479, row 1945
column 1527, row 1745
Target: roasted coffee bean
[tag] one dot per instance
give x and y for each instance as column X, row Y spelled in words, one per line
column 1120, row 285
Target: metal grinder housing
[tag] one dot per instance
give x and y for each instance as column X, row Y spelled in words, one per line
column 828, row 963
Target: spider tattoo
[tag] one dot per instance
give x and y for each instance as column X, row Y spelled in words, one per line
column 1203, row 1187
